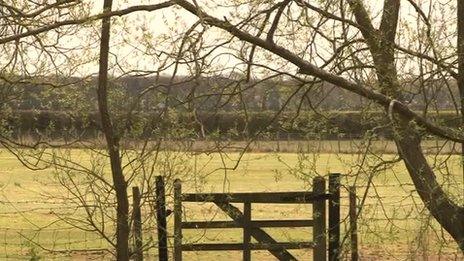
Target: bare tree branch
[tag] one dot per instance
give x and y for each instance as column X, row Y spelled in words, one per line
column 308, row 68
column 148, row 8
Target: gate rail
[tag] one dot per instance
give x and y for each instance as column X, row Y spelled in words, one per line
column 253, row 228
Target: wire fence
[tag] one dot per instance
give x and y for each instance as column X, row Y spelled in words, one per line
column 53, row 237
column 393, row 222
column 386, row 222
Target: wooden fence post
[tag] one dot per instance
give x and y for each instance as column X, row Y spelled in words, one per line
column 137, row 224
column 246, row 231
column 353, row 225
column 177, row 220
column 334, row 217
column 319, row 233
column 161, row 219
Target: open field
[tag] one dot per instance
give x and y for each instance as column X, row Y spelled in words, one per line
column 344, row 146
column 393, row 224
column 335, row 146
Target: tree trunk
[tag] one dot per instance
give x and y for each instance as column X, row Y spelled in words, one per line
column 460, row 17
column 112, row 141
column 407, row 139
column 444, row 210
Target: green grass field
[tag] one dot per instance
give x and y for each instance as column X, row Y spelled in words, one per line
column 393, row 225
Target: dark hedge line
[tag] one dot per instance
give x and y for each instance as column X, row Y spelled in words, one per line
column 239, row 125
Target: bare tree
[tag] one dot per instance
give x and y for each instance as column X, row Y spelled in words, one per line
column 348, row 44
column 29, row 28
column 112, row 141
column 386, row 92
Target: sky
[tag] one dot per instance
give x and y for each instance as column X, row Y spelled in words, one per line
column 138, row 39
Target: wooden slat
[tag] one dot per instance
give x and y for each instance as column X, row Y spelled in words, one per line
column 334, row 217
column 254, row 223
column 240, row 246
column 247, row 232
column 283, row 223
column 353, row 225
column 210, row 224
column 319, row 230
column 267, row 197
column 160, row 204
column 177, row 220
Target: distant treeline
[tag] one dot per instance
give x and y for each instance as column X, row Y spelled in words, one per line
column 236, row 125
column 214, row 94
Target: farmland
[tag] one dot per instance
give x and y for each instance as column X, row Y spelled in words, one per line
column 33, row 203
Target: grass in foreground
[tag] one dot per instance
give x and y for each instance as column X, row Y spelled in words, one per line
column 394, row 222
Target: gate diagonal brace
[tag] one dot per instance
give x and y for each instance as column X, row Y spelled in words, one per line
column 259, row 234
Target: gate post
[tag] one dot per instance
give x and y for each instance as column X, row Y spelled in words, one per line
column 334, row 217
column 246, row 231
column 319, row 233
column 137, row 225
column 353, row 225
column 177, row 220
column 161, row 219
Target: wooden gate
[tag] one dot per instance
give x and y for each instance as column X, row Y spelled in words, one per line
column 252, row 228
